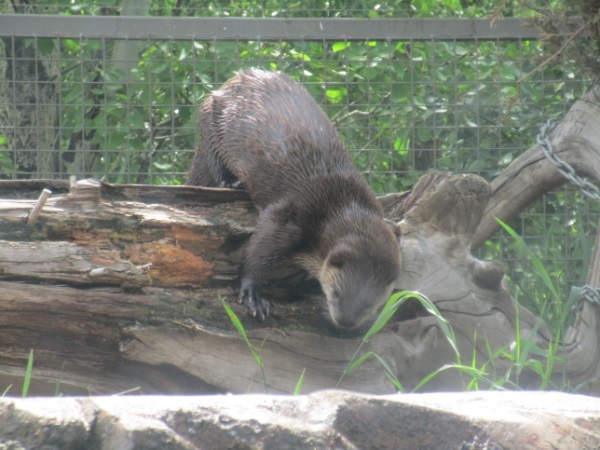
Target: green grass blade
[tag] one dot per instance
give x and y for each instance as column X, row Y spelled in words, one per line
column 429, row 377
column 348, row 367
column 57, row 388
column 470, row 371
column 357, row 363
column 537, row 264
column 255, row 352
column 28, row 372
column 390, row 373
column 443, row 323
column 386, row 313
column 238, row 325
column 300, row 382
column 235, row 320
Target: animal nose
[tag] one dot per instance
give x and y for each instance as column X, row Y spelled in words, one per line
column 345, row 322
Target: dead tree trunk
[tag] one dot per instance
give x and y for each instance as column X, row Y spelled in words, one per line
column 121, row 287
column 576, row 140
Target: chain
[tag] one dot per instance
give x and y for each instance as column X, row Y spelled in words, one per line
column 590, row 294
column 543, row 139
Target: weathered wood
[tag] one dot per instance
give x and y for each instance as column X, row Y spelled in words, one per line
column 138, row 284
column 77, row 337
column 128, row 243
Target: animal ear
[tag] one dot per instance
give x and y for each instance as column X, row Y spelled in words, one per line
column 394, row 227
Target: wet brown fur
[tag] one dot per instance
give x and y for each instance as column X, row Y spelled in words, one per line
column 265, row 131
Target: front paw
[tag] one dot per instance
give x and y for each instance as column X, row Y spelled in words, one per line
column 250, row 296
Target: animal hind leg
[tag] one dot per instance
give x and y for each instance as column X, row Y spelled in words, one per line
column 207, row 168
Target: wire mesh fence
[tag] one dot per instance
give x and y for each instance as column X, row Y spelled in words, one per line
column 115, row 98
column 403, row 106
column 208, row 8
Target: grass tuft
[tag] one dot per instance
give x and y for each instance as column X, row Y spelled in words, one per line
column 388, row 311
column 253, row 349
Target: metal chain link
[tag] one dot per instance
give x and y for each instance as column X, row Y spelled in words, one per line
column 543, row 139
column 590, row 294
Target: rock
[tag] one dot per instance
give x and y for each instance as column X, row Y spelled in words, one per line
column 324, row 420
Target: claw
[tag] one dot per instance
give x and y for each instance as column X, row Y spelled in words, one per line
column 250, row 296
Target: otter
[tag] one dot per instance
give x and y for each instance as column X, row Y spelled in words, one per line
column 265, row 132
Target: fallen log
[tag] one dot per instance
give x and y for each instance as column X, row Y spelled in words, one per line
column 121, row 287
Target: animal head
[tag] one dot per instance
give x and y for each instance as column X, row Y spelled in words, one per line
column 358, row 277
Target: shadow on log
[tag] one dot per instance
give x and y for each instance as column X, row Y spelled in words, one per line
column 120, row 288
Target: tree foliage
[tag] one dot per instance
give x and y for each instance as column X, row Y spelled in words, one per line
column 403, row 107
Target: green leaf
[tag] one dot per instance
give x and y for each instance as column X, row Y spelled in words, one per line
column 46, row 46
column 183, row 55
column 335, row 95
column 163, row 166
column 339, row 46
column 70, row 45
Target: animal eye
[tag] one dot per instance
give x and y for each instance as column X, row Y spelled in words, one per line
column 340, row 256
column 337, row 261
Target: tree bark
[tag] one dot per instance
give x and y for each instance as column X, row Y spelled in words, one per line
column 121, row 287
